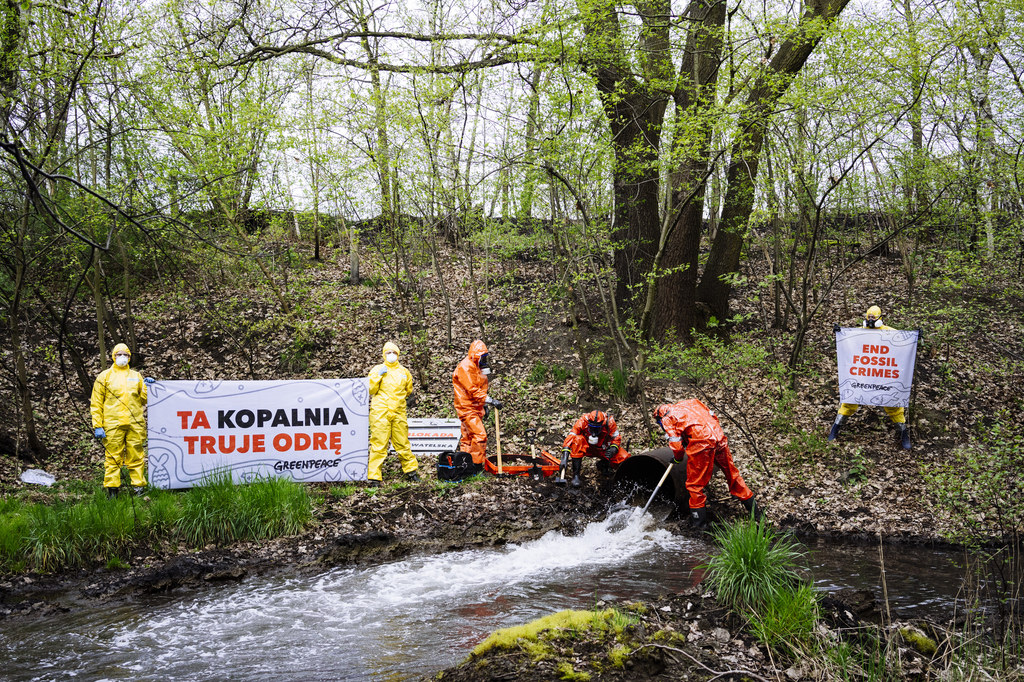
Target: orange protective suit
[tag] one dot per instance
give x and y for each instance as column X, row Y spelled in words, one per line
column 470, row 385
column 705, row 446
column 608, row 438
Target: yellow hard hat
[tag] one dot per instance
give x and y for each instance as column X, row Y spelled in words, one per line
column 873, row 313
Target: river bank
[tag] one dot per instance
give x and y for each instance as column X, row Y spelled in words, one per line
column 685, row 634
column 358, row 525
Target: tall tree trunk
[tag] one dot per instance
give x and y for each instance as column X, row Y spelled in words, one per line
column 676, row 310
column 28, row 421
column 724, row 259
column 525, row 211
column 635, row 109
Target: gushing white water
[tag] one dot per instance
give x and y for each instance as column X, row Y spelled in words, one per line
column 392, row 621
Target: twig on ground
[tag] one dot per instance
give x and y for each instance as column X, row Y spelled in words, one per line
column 717, row 674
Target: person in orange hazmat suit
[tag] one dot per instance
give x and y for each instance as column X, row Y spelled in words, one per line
column 595, row 434
column 470, row 382
column 697, row 441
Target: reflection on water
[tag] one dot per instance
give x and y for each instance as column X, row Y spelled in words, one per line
column 916, row 581
column 404, row 619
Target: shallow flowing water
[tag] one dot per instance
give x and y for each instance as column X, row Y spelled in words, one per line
column 409, row 618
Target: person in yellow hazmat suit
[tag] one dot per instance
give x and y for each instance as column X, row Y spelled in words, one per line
column 118, row 396
column 391, row 389
column 872, row 320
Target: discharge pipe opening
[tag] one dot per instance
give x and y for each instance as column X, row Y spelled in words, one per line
column 643, row 471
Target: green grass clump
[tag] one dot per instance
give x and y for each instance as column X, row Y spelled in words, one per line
column 752, row 567
column 221, row 512
column 754, row 574
column 786, row 621
column 95, row 528
column 66, row 535
column 341, row 492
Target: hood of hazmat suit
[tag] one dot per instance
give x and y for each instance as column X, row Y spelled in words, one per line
column 690, row 424
column 469, row 381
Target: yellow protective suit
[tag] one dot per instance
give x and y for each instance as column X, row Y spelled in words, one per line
column 388, row 420
column 118, row 396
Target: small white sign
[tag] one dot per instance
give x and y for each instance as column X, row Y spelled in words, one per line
column 434, row 436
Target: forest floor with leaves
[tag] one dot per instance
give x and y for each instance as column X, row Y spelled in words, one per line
column 864, row 486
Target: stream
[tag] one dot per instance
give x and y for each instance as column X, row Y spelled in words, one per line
column 411, row 618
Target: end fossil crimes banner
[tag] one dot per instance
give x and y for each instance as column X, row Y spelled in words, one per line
column 876, row 366
column 305, row 430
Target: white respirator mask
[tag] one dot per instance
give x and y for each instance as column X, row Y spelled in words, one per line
column 121, row 361
column 485, row 371
column 391, row 357
column 592, row 440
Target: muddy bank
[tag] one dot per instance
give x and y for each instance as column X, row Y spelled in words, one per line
column 370, row 527
column 690, row 636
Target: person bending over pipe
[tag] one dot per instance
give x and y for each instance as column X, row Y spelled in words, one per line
column 696, row 439
column 118, row 395
column 872, row 320
column 595, row 434
column 391, row 390
column 469, row 381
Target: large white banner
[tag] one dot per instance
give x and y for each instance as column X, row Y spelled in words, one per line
column 876, row 366
column 304, row 430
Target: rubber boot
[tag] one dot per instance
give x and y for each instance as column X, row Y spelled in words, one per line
column 699, row 519
column 112, row 492
column 903, row 434
column 563, row 470
column 413, row 477
column 753, row 509
column 836, row 426
column 577, row 465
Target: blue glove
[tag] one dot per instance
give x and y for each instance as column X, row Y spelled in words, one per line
column 149, row 380
column 99, row 434
column 382, row 371
column 497, row 404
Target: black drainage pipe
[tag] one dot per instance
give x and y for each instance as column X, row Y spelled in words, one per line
column 645, row 469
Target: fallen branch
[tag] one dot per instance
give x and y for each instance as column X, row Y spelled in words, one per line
column 716, row 673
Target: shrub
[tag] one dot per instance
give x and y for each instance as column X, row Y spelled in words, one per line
column 752, row 567
column 976, row 487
